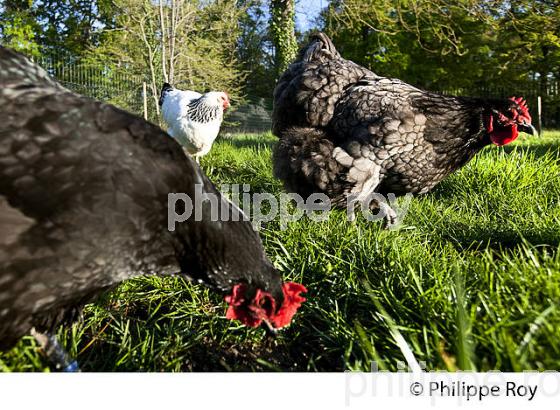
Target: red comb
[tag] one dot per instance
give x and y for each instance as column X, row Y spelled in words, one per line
column 252, row 314
column 521, row 102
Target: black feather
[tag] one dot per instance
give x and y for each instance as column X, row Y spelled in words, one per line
column 343, row 129
column 83, row 195
column 164, row 89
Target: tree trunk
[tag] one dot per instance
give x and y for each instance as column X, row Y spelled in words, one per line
column 282, row 29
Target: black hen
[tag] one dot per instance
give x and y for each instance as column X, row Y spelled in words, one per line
column 84, row 206
column 349, row 133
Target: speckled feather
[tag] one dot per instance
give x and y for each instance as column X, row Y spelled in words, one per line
column 344, row 130
column 83, row 206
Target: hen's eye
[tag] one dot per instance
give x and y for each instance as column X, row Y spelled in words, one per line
column 265, row 303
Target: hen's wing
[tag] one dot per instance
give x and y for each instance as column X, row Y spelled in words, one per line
column 175, row 107
column 390, row 113
column 377, row 110
column 407, row 133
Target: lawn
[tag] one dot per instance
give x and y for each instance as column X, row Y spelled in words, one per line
column 470, row 281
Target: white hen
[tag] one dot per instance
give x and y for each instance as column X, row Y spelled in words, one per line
column 193, row 119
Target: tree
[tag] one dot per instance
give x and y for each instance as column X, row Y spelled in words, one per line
column 254, row 50
column 18, row 27
column 282, row 29
column 450, row 44
column 65, row 27
column 191, row 44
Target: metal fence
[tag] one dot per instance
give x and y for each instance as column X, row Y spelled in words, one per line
column 125, row 90
column 549, row 97
column 112, row 86
column 253, row 115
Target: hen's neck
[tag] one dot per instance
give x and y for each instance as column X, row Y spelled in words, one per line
column 455, row 127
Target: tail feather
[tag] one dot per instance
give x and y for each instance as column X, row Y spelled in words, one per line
column 320, row 48
column 294, row 95
column 164, row 89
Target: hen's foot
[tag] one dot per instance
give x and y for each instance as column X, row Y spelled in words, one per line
column 390, row 221
column 54, row 352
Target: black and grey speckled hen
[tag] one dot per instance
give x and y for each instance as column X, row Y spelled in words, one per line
column 349, row 133
column 84, row 206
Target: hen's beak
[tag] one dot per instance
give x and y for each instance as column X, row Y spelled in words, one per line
column 528, row 129
column 269, row 329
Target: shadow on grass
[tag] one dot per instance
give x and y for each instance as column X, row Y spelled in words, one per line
column 540, row 149
column 285, row 353
column 467, row 238
column 251, row 143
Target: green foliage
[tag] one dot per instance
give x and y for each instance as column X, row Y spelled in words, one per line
column 67, row 27
column 70, row 27
column 253, row 51
column 282, row 30
column 443, row 44
column 472, row 280
column 126, row 37
column 204, row 54
column 18, row 27
column 19, row 35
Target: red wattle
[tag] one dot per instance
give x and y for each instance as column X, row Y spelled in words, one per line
column 292, row 302
column 504, row 136
column 501, row 136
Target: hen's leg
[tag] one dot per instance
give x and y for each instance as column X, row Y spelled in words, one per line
column 374, row 207
column 390, row 220
column 54, row 352
column 367, row 176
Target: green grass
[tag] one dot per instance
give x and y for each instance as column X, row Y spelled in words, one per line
column 471, row 281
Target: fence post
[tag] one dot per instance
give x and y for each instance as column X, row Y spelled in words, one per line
column 539, row 111
column 145, row 98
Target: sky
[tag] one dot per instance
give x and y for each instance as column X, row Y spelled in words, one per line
column 307, row 11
